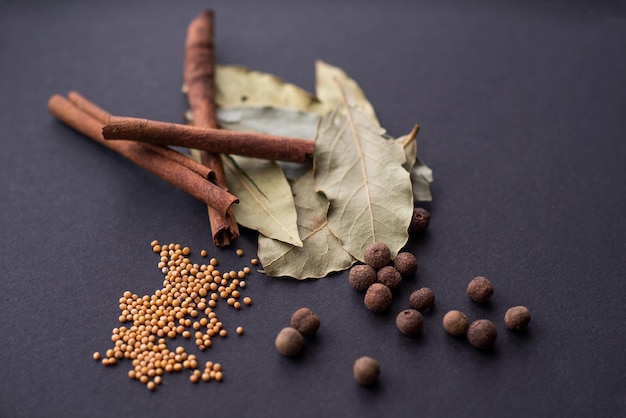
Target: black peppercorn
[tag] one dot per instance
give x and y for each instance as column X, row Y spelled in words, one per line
column 410, row 322
column 482, row 334
column 305, row 321
column 289, row 341
column 377, row 255
column 480, row 290
column 455, row 323
column 419, row 221
column 517, row 318
column 366, row 371
column 389, row 276
column 405, row 263
column 378, row 298
column 422, row 299
column 361, row 276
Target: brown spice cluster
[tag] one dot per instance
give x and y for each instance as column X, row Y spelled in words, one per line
column 183, row 307
column 290, row 340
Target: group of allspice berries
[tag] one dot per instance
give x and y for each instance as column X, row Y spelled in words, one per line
column 483, row 333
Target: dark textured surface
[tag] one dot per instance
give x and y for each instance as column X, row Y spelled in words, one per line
column 522, row 109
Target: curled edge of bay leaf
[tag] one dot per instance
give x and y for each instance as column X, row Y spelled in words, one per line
column 361, row 174
column 321, row 252
column 421, row 174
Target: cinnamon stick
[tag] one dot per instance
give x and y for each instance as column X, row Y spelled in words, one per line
column 146, row 157
column 269, row 147
column 199, row 78
column 102, row 116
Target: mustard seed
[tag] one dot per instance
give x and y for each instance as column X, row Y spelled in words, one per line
column 289, row 341
column 378, row 298
column 366, row 371
column 410, row 322
column 517, row 318
column 239, row 330
column 96, row 356
column 361, row 276
column 247, row 301
column 422, row 299
column 377, row 255
column 405, row 263
column 305, row 321
column 480, row 289
column 455, row 323
column 419, row 221
column 254, row 261
column 203, row 253
column 239, row 252
column 389, row 276
column 482, row 334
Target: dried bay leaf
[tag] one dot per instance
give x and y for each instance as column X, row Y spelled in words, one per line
column 421, row 174
column 326, row 78
column 266, row 202
column 361, row 174
column 269, row 120
column 321, row 253
column 239, row 86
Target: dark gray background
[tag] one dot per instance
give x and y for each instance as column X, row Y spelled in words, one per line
column 522, row 107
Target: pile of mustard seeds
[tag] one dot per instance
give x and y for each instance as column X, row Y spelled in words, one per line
column 182, row 308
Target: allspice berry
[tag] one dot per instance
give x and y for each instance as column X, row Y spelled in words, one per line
column 366, row 371
column 455, row 323
column 362, row 276
column 405, row 263
column 289, row 341
column 389, row 276
column 378, row 298
column 305, row 321
column 480, row 290
column 422, row 299
column 517, row 318
column 377, row 255
column 419, row 221
column 410, row 322
column 482, row 334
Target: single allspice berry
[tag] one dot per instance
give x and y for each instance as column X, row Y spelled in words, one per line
column 419, row 221
column 410, row 322
column 389, row 276
column 480, row 289
column 305, row 321
column 405, row 263
column 378, row 298
column 422, row 299
column 455, row 323
column 289, row 341
column 361, row 276
column 482, row 334
column 377, row 255
column 517, row 318
column 366, row 371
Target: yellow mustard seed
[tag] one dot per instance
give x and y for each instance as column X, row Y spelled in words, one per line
column 247, row 301
column 96, row 356
column 223, row 333
column 246, row 270
column 219, row 376
column 254, row 261
column 186, row 251
column 239, row 330
column 154, row 242
column 203, row 253
column 213, row 261
column 239, row 252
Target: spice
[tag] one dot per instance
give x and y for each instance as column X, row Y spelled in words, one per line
column 239, row 252
column 405, row 263
column 289, row 341
column 361, row 276
column 305, row 321
column 480, row 290
column 198, row 75
column 389, row 276
column 378, row 298
column 154, row 159
column 410, row 322
column 419, row 221
column 517, row 318
column 482, row 334
column 366, row 371
column 455, row 323
column 422, row 299
column 269, row 147
column 185, row 301
column 377, row 255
